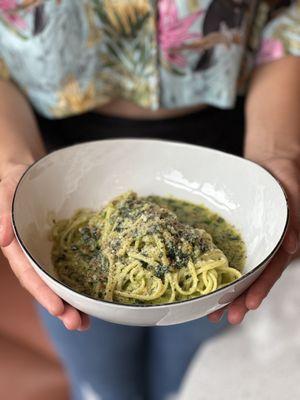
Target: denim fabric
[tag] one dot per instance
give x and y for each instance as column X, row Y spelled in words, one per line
column 116, row 362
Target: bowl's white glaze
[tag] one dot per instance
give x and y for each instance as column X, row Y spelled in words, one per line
column 90, row 174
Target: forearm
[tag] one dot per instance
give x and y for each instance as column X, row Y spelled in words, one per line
column 273, row 111
column 20, row 140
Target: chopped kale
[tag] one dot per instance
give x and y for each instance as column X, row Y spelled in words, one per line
column 61, row 257
column 153, row 229
column 85, row 234
column 115, row 244
column 233, row 237
column 177, row 257
column 95, row 233
column 161, row 270
column 147, row 229
column 203, row 245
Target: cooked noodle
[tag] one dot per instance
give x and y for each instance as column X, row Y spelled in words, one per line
column 135, row 251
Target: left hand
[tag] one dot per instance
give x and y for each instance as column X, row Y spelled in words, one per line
column 287, row 171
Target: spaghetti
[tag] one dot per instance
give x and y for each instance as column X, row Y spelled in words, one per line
column 135, row 251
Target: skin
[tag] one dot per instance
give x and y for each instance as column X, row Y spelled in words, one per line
column 272, row 140
column 21, row 145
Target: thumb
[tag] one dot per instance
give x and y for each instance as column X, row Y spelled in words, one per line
column 287, row 172
column 7, row 189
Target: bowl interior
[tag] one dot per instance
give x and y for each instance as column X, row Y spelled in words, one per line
column 88, row 175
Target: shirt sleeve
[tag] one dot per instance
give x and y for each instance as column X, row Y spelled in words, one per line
column 281, row 35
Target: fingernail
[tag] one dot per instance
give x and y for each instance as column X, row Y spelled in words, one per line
column 83, row 329
column 253, row 305
column 66, row 325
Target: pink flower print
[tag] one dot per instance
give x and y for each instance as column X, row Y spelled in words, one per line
column 173, row 31
column 270, row 50
column 8, row 10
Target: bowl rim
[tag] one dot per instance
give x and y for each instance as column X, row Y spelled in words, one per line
column 169, row 143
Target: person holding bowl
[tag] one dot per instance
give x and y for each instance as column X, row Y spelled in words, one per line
column 75, row 71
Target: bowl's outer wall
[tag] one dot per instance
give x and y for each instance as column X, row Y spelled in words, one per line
column 90, row 174
column 150, row 316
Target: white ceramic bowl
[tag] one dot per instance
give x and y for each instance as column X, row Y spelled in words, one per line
column 90, row 174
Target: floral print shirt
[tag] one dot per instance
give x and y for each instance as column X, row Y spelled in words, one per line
column 71, row 56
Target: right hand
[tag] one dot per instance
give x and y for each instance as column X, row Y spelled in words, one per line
column 29, row 279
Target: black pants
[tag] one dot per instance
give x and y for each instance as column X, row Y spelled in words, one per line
column 211, row 127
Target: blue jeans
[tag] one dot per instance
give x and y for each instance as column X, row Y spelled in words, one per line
column 116, row 362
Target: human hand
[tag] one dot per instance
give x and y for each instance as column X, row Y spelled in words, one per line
column 29, row 279
column 287, row 171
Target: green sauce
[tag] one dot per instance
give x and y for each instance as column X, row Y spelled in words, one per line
column 79, row 256
column 224, row 235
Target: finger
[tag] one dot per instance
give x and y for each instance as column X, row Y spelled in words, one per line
column 291, row 241
column 288, row 175
column 216, row 316
column 292, row 188
column 237, row 310
column 30, row 280
column 71, row 318
column 85, row 322
column 287, row 172
column 260, row 288
column 7, row 188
